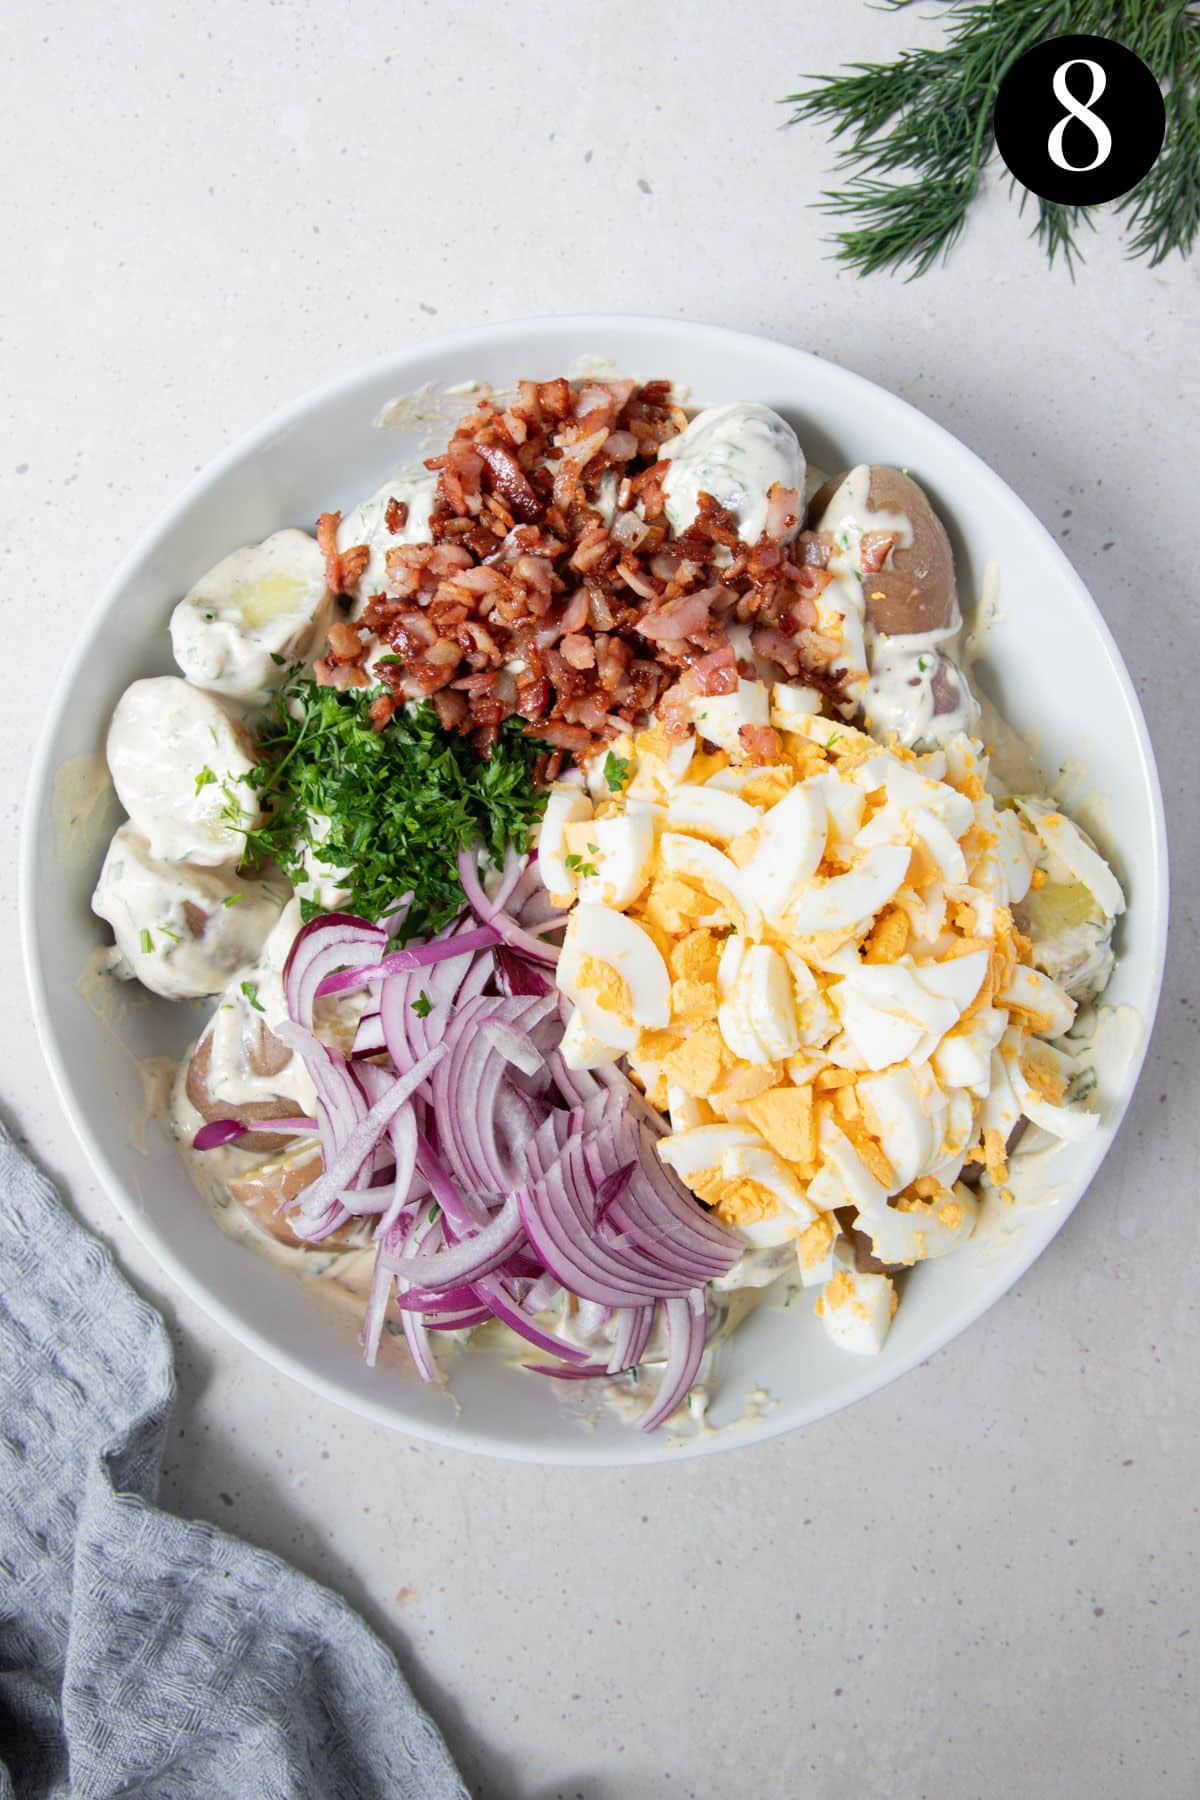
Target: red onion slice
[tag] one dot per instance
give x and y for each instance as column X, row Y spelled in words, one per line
column 687, row 1332
column 506, row 927
column 473, row 1256
column 419, row 956
column 324, row 944
column 353, row 1153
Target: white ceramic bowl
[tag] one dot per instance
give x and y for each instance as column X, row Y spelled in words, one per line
column 1051, row 663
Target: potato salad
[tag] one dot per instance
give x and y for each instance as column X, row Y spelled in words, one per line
column 613, row 920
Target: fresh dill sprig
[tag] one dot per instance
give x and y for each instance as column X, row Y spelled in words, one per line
column 392, row 807
column 914, row 136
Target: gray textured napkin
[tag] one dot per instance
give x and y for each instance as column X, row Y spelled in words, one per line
column 140, row 1653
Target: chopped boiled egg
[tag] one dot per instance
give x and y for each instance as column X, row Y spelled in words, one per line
column 851, row 899
column 791, row 843
column 713, row 872
column 615, row 974
column 710, row 812
column 856, row 1308
column 566, row 804
column 616, row 858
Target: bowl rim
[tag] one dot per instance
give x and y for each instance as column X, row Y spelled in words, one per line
column 568, row 327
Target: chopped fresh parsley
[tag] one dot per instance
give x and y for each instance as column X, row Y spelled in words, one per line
column 277, row 659
column 231, row 899
column 146, row 942
column 594, row 849
column 422, row 1005
column 401, row 802
column 250, row 989
column 577, row 865
column 923, row 664
column 435, row 1212
column 616, row 771
column 205, row 778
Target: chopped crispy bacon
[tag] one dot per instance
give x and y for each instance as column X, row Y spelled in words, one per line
column 874, row 549
column 554, row 591
column 354, row 566
column 327, row 530
column 760, row 742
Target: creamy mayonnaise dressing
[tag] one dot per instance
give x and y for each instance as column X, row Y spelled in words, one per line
column 252, row 616
column 905, row 685
column 736, row 453
column 416, row 490
column 182, row 930
column 177, row 758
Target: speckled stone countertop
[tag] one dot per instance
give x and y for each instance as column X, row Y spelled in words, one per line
column 981, row 1581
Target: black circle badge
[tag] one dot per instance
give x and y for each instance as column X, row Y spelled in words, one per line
column 1079, row 120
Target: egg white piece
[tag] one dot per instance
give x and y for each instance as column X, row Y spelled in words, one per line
column 705, row 1147
column 1016, row 851
column 713, row 873
column 1064, row 840
column 238, row 630
column 790, row 703
column 847, row 901
column 843, row 803
column 934, row 1229
column 622, row 859
column 857, row 1314
column 760, row 1164
column 579, row 1049
column 1031, row 989
column 792, row 839
column 566, row 804
column 1067, row 1122
column 912, row 791
column 173, row 751
column 903, row 1108
column 711, row 813
column 618, row 942
column 769, row 1000
column 929, row 831
column 963, row 1058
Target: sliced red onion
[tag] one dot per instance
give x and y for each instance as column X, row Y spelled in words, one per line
column 634, row 1325
column 513, row 1047
column 466, row 1088
column 687, row 1333
column 326, row 943
column 353, row 1153
column 402, row 1133
column 424, row 1300
column 418, row 956
column 472, row 1256
column 220, row 1132
column 586, row 1371
column 506, row 927
column 499, row 1302
column 516, row 976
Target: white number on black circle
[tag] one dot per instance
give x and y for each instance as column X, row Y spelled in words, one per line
column 1077, row 109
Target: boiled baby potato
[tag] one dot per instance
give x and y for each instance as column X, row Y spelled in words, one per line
column 915, row 591
column 265, row 1056
column 266, row 1189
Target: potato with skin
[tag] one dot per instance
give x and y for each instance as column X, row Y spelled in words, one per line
column 265, row 1056
column 915, row 591
column 264, row 1190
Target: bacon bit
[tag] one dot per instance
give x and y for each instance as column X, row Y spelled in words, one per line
column 511, row 481
column 344, row 643
column 874, row 548
column 533, row 601
column 381, row 711
column 339, row 675
column 354, row 566
column 327, row 530
column 760, row 742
